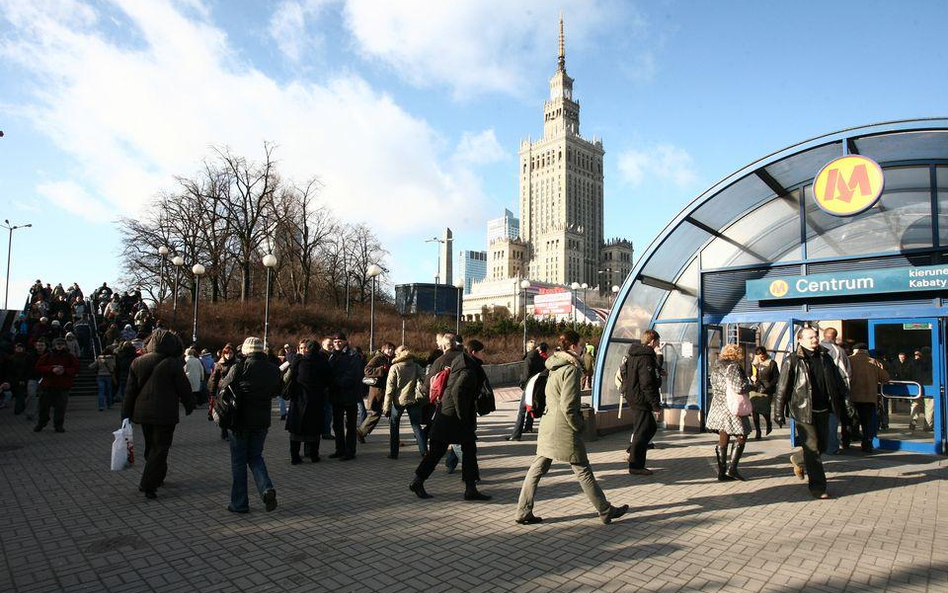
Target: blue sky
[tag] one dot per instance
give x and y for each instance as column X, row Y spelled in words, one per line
column 412, row 112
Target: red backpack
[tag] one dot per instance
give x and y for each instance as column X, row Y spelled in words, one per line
column 438, row 384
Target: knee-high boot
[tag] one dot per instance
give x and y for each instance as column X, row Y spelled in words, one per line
column 720, row 456
column 736, row 453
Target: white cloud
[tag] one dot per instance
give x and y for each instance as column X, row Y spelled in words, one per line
column 479, row 149
column 73, row 198
column 133, row 115
column 662, row 161
column 290, row 27
column 477, row 46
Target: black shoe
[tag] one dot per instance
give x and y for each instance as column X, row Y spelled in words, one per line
column 296, row 460
column 513, row 438
column 418, row 487
column 270, row 499
column 472, row 494
column 529, row 519
column 614, row 513
column 336, row 455
column 650, row 446
column 151, row 494
column 37, row 428
column 60, row 429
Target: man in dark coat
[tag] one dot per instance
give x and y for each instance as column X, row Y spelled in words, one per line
column 308, row 381
column 255, row 381
column 58, row 369
column 455, row 420
column 376, row 369
column 810, row 387
column 641, row 378
column 156, row 383
column 346, row 393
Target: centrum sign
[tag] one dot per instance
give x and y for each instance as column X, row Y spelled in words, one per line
column 916, row 279
column 848, row 185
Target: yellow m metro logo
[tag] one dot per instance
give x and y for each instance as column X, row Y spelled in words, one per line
column 848, row 185
column 779, row 288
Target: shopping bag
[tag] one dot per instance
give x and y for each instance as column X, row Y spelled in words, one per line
column 738, row 403
column 123, row 447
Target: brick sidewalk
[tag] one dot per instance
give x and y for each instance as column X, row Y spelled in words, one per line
column 69, row 524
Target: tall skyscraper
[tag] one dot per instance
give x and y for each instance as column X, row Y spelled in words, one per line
column 505, row 227
column 561, row 181
column 472, row 267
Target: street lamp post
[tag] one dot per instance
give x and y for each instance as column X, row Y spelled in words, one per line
column 615, row 293
column 524, row 285
column 177, row 261
column 10, row 228
column 373, row 272
column 270, row 261
column 198, row 271
column 459, row 284
column 163, row 252
column 584, row 286
column 574, row 287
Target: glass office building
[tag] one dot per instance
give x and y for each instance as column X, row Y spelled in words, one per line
column 699, row 283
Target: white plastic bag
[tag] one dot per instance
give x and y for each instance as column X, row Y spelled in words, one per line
column 123, row 447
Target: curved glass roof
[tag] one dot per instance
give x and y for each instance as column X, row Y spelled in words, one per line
column 765, row 214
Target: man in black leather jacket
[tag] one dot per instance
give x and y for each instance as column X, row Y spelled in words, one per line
column 810, row 388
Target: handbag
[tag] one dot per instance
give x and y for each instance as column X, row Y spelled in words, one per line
column 738, row 403
column 370, row 381
column 225, row 408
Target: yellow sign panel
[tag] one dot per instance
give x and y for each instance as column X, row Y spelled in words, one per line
column 848, row 185
column 778, row 288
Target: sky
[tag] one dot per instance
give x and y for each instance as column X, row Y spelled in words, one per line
column 411, row 113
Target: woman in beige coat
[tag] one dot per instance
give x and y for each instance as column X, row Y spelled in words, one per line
column 561, row 433
column 402, row 395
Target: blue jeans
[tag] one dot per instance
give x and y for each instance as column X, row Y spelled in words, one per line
column 282, row 406
column 360, row 418
column 454, row 457
column 414, row 416
column 524, row 420
column 832, row 435
column 246, row 450
column 105, row 391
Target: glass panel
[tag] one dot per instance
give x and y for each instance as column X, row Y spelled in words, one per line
column 683, row 305
column 770, row 233
column 732, row 201
column 941, row 175
column 680, row 351
column 906, row 351
column 900, row 220
column 679, row 247
column 614, row 354
column 904, row 146
column 636, row 312
column 800, row 167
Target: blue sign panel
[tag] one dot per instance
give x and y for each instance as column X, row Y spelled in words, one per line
column 917, row 279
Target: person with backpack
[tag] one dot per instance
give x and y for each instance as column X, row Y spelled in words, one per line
column 533, row 364
column 307, row 383
column 253, row 382
column 156, row 384
column 455, row 418
column 561, row 434
column 640, row 377
column 403, row 395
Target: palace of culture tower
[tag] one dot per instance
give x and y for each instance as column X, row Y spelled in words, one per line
column 560, row 240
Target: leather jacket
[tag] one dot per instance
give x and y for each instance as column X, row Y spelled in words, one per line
column 794, row 395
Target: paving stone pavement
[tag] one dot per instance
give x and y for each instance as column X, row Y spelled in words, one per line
column 69, row 524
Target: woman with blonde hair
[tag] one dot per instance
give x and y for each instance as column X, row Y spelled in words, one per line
column 728, row 373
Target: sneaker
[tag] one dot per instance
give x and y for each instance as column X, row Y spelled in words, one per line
column 614, row 513
column 529, row 519
column 270, row 499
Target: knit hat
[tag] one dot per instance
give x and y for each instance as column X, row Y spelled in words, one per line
column 251, row 345
column 59, row 342
column 339, row 336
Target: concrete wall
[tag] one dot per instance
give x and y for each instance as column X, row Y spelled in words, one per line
column 500, row 375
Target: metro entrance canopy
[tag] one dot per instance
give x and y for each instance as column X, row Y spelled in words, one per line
column 763, row 223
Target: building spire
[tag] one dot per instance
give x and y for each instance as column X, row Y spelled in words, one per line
column 562, row 58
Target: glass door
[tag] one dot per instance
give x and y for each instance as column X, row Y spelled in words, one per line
column 910, row 416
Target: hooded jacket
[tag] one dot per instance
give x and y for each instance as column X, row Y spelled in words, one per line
column 561, row 432
column 640, row 378
column 255, row 381
column 156, row 383
column 402, row 385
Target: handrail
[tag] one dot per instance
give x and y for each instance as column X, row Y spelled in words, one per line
column 94, row 325
column 921, row 390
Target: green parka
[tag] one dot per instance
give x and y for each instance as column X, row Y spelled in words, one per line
column 561, row 432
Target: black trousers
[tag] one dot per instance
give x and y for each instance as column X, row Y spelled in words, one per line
column 158, row 439
column 344, row 417
column 645, row 427
column 867, row 420
column 437, row 449
column 55, row 399
column 813, row 438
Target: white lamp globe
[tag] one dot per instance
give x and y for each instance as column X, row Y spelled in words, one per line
column 197, row 270
column 270, row 260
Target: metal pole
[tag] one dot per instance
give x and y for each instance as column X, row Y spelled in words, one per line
column 524, row 293
column 403, row 331
column 161, row 281
column 266, row 311
column 197, row 290
column 574, row 308
column 372, row 320
column 6, row 295
column 345, row 271
column 457, row 326
column 177, row 280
